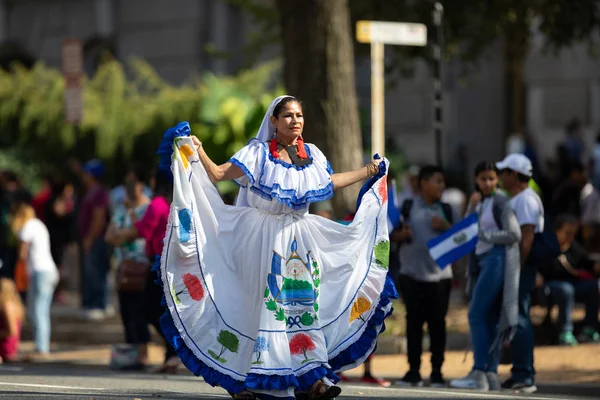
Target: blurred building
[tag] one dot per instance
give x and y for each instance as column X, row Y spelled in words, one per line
column 173, row 36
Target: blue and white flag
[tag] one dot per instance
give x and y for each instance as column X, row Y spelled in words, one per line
column 455, row 243
column 393, row 211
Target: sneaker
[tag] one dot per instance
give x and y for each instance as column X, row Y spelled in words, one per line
column 437, row 380
column 519, row 387
column 344, row 378
column 94, row 314
column 588, row 334
column 476, row 380
column 412, row 378
column 493, row 381
column 110, row 311
column 371, row 380
column 567, row 339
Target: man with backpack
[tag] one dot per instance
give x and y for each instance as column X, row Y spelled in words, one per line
column 515, row 172
column 425, row 288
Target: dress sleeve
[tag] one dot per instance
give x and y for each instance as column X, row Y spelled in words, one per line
column 319, row 158
column 249, row 159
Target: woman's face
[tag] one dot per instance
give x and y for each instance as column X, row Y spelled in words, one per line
column 487, row 181
column 290, row 121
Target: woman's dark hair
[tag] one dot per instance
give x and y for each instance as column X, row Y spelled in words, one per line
column 283, row 102
column 564, row 219
column 485, row 166
column 163, row 185
column 141, row 173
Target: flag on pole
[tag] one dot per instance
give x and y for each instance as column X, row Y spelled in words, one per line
column 455, row 243
column 393, row 213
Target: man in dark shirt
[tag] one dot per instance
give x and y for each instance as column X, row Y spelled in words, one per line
column 567, row 196
column 569, row 275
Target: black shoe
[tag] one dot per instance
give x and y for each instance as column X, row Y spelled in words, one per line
column 520, row 387
column 437, row 380
column 412, row 378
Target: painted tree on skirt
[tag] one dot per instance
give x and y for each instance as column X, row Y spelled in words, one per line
column 300, row 344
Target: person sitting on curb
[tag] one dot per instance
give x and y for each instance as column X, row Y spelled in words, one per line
column 572, row 274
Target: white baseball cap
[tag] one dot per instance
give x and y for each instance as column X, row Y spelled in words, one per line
column 518, row 163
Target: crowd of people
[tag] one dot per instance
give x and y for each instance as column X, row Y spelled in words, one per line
column 538, row 235
column 536, row 232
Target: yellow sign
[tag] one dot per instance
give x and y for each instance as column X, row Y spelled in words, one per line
column 363, row 31
column 398, row 33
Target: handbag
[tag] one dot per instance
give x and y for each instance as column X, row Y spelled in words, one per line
column 133, row 275
column 21, row 276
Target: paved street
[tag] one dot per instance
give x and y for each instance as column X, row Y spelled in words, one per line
column 60, row 382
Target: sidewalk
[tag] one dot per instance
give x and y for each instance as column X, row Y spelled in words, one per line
column 79, row 342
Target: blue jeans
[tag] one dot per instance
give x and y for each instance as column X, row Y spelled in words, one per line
column 96, row 265
column 39, row 298
column 485, row 307
column 522, row 345
column 563, row 295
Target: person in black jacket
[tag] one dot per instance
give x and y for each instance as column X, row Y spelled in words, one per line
column 572, row 274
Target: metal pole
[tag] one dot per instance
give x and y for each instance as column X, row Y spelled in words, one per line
column 377, row 99
column 438, row 18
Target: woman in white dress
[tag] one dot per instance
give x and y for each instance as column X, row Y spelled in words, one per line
column 264, row 299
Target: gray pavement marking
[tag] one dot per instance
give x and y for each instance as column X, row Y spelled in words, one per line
column 39, row 385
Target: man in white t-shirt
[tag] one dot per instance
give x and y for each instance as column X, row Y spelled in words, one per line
column 515, row 172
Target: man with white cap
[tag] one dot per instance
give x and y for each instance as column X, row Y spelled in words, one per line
column 515, row 172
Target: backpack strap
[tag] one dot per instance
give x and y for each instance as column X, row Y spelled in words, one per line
column 405, row 209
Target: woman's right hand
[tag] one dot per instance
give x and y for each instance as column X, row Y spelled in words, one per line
column 475, row 199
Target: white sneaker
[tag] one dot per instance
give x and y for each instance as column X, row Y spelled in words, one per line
column 110, row 311
column 94, row 315
column 475, row 380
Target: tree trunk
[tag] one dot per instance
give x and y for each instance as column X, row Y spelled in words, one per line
column 516, row 48
column 319, row 69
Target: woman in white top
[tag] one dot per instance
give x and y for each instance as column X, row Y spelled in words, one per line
column 43, row 274
column 266, row 300
column 495, row 268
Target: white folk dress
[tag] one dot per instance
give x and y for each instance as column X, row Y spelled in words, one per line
column 267, row 297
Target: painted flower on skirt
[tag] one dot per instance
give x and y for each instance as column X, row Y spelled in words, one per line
column 194, row 286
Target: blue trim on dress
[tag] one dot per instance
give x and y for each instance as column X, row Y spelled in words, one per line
column 165, row 149
column 244, row 169
column 354, row 352
column 263, row 396
column 284, row 196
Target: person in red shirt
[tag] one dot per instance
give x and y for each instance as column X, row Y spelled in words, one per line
column 41, row 198
column 152, row 227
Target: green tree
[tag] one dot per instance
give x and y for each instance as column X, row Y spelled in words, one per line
column 127, row 107
column 470, row 28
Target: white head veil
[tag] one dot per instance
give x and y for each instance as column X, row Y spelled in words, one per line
column 267, row 130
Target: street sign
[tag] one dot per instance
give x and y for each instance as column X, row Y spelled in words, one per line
column 399, row 33
column 73, row 99
column 378, row 34
column 72, row 57
column 72, row 66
